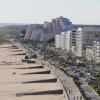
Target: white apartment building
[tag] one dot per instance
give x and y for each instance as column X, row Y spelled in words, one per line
column 63, row 40
column 85, row 37
column 68, row 41
column 89, row 53
column 96, row 50
column 73, row 41
column 58, row 41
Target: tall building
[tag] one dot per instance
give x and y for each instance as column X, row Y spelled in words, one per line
column 63, row 40
column 29, row 32
column 79, row 42
column 58, row 41
column 61, row 24
column 47, row 37
column 85, row 37
column 31, row 28
column 89, row 53
column 36, row 34
column 68, row 41
column 93, row 52
column 73, row 40
column 39, row 32
column 96, row 50
column 47, row 27
column 56, row 28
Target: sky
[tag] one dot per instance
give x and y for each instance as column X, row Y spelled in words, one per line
column 36, row 11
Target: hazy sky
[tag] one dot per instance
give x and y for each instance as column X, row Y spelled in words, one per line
column 36, row 11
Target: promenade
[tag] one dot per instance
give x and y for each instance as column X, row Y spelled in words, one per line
column 68, row 83
column 23, row 81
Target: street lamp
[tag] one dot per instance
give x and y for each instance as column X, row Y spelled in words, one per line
column 10, row 59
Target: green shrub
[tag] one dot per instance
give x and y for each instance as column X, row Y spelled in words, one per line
column 98, row 90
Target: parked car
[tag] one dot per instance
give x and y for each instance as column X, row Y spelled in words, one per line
column 91, row 81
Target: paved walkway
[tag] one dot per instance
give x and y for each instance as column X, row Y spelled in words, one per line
column 90, row 92
column 68, row 83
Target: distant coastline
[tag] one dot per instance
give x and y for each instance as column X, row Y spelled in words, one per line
column 11, row 24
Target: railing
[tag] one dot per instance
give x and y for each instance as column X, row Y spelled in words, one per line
column 69, row 92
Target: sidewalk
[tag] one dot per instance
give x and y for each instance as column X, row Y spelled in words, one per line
column 68, row 83
column 90, row 92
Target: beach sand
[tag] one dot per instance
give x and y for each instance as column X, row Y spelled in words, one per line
column 12, row 78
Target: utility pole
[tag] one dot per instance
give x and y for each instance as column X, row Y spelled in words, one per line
column 10, row 59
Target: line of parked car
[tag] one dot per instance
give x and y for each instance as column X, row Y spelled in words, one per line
column 83, row 74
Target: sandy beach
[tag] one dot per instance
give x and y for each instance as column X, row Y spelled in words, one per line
column 12, row 78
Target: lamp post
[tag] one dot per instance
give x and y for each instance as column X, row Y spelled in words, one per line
column 10, row 59
column 43, row 49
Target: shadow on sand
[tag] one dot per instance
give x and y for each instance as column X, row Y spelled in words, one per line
column 36, row 67
column 48, row 92
column 53, row 80
column 40, row 72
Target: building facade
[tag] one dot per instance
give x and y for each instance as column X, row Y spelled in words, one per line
column 63, row 40
column 73, row 41
column 96, row 51
column 89, row 53
column 58, row 41
column 68, row 41
column 61, row 24
column 85, row 37
column 29, row 32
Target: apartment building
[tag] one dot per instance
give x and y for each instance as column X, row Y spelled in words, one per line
column 68, row 41
column 89, row 53
column 84, row 42
column 29, row 32
column 58, row 41
column 96, row 50
column 73, row 40
column 63, row 41
column 85, row 37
